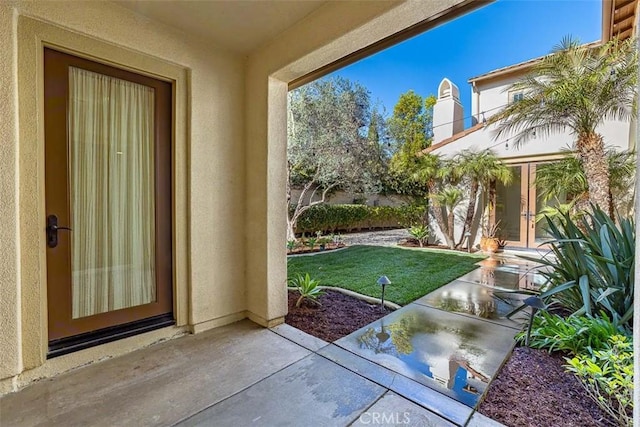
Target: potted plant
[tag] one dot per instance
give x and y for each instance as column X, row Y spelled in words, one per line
column 489, row 242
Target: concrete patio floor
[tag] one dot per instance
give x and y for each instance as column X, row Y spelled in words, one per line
column 425, row 364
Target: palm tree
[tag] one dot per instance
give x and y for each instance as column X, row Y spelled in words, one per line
column 565, row 179
column 420, row 176
column 576, row 88
column 479, row 169
column 437, row 173
column 448, row 199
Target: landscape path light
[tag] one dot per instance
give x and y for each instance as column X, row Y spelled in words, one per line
column 383, row 281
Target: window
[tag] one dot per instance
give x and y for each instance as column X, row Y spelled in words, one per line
column 515, row 96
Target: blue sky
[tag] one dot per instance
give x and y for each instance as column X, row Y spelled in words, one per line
column 500, row 34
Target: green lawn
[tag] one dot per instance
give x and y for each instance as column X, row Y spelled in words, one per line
column 413, row 272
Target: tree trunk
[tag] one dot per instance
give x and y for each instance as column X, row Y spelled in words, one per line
column 291, row 227
column 471, row 211
column 436, row 211
column 300, row 208
column 582, row 205
column 450, row 225
column 591, row 152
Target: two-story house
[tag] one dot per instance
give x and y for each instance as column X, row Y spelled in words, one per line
column 517, row 203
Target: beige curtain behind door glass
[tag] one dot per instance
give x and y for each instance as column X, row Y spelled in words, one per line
column 112, row 193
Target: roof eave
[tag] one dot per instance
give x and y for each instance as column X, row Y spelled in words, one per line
column 501, row 73
column 607, row 19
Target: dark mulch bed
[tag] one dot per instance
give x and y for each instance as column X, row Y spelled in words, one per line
column 533, row 389
column 338, row 316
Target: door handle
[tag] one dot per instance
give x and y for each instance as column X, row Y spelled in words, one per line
column 52, row 230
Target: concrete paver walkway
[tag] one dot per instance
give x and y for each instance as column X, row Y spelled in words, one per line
column 425, row 364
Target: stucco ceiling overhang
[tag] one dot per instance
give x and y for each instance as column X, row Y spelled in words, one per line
column 239, row 26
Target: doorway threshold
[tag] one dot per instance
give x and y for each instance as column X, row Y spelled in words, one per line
column 102, row 336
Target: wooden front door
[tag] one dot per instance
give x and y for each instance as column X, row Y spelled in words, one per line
column 108, row 201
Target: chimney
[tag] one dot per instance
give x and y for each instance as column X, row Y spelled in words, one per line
column 448, row 116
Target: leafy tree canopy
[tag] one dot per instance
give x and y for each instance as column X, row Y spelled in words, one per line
column 410, row 132
column 330, row 141
column 334, row 140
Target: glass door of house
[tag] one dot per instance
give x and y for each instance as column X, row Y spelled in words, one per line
column 517, row 206
column 108, row 202
column 513, row 211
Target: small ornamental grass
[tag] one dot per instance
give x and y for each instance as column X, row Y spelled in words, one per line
column 420, row 232
column 307, row 287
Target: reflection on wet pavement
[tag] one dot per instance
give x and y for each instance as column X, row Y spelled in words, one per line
column 506, row 277
column 492, row 291
column 455, row 355
column 477, row 300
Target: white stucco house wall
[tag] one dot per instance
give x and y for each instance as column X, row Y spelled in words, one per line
column 516, row 205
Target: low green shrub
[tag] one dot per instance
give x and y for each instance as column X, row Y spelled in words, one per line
column 331, row 218
column 607, row 375
column 307, row 287
column 576, row 334
column 292, row 244
column 412, row 214
column 311, row 242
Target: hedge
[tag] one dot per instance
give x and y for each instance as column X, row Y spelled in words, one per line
column 333, row 218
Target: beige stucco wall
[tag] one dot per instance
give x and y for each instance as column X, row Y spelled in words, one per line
column 332, row 32
column 10, row 352
column 229, row 167
column 208, row 163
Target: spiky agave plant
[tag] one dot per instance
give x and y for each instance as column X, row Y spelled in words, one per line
column 591, row 264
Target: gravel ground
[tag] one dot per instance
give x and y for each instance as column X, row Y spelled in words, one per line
column 378, row 238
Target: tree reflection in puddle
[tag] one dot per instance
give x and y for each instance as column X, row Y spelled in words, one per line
column 476, row 300
column 485, row 309
column 441, row 352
